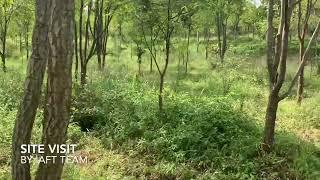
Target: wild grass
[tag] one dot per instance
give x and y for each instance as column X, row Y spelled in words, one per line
column 211, row 128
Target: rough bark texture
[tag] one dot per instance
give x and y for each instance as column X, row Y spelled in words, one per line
column 58, row 97
column 270, row 122
column 32, row 91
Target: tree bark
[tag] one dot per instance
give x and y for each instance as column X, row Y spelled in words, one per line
column 4, row 43
column 269, row 128
column 59, row 84
column 76, row 52
column 188, row 52
column 32, row 91
column 277, row 69
column 301, row 76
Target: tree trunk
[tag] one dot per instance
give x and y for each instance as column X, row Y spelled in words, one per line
column 207, row 43
column 104, row 56
column 301, row 76
column 83, row 75
column 27, row 41
column 161, row 93
column 188, row 44
column 270, row 122
column 4, row 43
column 58, row 98
column 76, row 52
column 198, row 42
column 20, row 43
column 32, row 91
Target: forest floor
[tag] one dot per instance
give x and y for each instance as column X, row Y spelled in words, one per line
column 211, row 127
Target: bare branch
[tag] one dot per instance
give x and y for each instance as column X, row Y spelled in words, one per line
column 303, row 62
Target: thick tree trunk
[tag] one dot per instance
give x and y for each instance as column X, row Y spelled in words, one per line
column 32, row 91
column 270, row 122
column 58, row 98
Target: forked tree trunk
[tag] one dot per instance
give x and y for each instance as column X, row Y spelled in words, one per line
column 32, row 91
column 278, row 61
column 59, row 84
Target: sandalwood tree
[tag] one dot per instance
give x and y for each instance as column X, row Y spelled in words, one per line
column 277, row 52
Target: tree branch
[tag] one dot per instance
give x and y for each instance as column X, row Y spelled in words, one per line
column 302, row 63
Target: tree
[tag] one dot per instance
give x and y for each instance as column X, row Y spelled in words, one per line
column 220, row 9
column 52, row 43
column 32, row 90
column 8, row 7
column 59, row 85
column 250, row 17
column 24, row 20
column 303, row 25
column 169, row 14
column 190, row 9
column 237, row 9
column 277, row 51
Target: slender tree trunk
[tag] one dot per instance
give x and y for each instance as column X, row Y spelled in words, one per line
column 76, row 52
column 4, row 43
column 219, row 32
column 151, row 60
column 58, row 98
column 83, row 75
column 169, row 31
column 104, row 56
column 32, row 91
column 27, row 41
column 301, row 76
column 207, row 43
column 198, row 42
column 139, row 65
column 20, row 43
column 318, row 71
column 161, row 93
column 188, row 52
